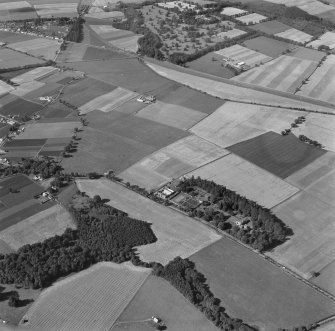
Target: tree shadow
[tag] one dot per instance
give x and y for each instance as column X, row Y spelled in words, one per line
column 5, row 295
column 24, row 302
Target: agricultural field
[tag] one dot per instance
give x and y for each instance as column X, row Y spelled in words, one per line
column 58, row 9
column 316, row 7
column 13, row 59
column 13, row 37
column 4, row 88
column 74, row 52
column 242, row 54
column 268, row 46
column 177, row 235
column 232, row 11
column 247, row 285
column 18, row 10
column 95, row 53
column 295, row 35
column 327, row 39
column 271, row 27
column 286, row 73
column 57, row 306
column 172, row 162
column 321, row 83
column 157, row 295
column 20, row 107
column 26, row 88
column 127, row 43
column 34, row 75
column 307, row 54
column 247, row 180
column 231, row 34
column 280, row 155
column 250, row 19
column 100, row 14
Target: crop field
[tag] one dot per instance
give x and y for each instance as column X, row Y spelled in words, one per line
column 98, row 309
column 231, row 34
column 253, row 18
column 285, row 73
column 240, row 53
column 34, row 74
column 73, row 53
column 13, row 59
column 316, row 8
column 109, row 32
column 108, row 102
column 20, row 107
column 47, row 223
column 105, row 15
column 18, row 10
column 237, row 276
column 26, row 88
column 172, row 161
column 295, row 35
column 172, row 115
column 280, row 155
column 268, row 46
column 247, row 180
column 327, row 39
column 127, row 43
column 271, row 27
column 157, row 295
column 13, row 37
column 49, row 89
column 34, row 45
column 321, row 84
column 56, row 9
column 5, row 88
column 94, row 53
column 307, row 54
column 177, row 235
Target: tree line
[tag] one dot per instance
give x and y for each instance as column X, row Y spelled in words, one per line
column 76, row 33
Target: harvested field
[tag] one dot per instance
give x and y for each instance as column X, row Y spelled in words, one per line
column 285, row 73
column 47, row 223
column 177, row 235
column 57, row 308
column 35, row 74
column 35, row 44
column 321, row 84
column 271, row 27
column 280, row 155
column 237, row 276
column 316, row 8
column 172, row 115
column 13, row 59
column 26, row 88
column 243, row 54
column 108, row 102
column 268, row 46
column 327, row 39
column 109, row 32
column 250, row 19
column 127, row 43
column 5, row 88
column 307, row 54
column 20, row 107
column 247, row 180
column 56, row 9
column 295, row 35
column 231, row 34
column 157, row 295
column 172, row 161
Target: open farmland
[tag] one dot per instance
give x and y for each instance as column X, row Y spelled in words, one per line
column 26, row 88
column 316, row 8
column 5, row 88
column 307, row 54
column 74, row 52
column 14, row 37
column 127, row 43
column 321, row 84
column 327, row 39
column 247, row 180
column 34, row 74
column 253, row 18
column 13, row 59
column 177, row 235
column 108, row 32
column 295, row 35
column 172, row 161
column 285, row 73
column 157, row 295
column 20, row 107
column 16, row 10
column 64, row 9
column 256, row 291
column 103, row 291
column 271, row 27
column 231, row 34
column 280, row 155
column 102, row 15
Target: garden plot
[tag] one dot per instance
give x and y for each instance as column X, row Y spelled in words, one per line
column 172, row 162
column 247, row 180
column 108, row 102
column 322, row 83
column 253, row 18
column 295, row 35
column 13, row 59
column 127, row 43
column 90, row 300
column 243, row 54
column 56, row 9
column 177, row 234
column 327, row 39
column 169, row 114
column 231, row 34
column 234, row 122
column 286, row 73
column 33, row 75
column 315, row 8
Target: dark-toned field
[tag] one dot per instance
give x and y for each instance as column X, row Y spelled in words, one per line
column 307, row 54
column 95, row 53
column 20, row 107
column 260, row 293
column 280, row 155
column 270, row 27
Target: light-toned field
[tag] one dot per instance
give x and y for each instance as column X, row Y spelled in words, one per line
column 45, row 224
column 291, row 3
column 295, row 35
column 26, row 88
column 285, row 73
column 231, row 34
column 90, row 300
column 34, row 44
column 74, row 52
column 232, row 11
column 108, row 102
column 247, row 180
column 14, row 5
column 49, row 130
column 322, row 83
column 253, row 18
column 316, row 7
column 109, row 32
column 170, row 114
column 232, row 92
column 127, row 43
column 327, row 39
column 177, row 235
column 105, row 15
column 34, row 74
column 56, row 9
column 12, row 59
column 172, row 161
column 234, row 122
column 246, row 55
column 5, row 88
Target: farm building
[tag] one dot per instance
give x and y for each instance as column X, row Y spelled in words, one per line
column 233, row 12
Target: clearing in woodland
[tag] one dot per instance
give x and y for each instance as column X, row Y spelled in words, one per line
column 177, row 234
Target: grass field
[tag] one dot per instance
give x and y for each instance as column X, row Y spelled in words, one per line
column 271, row 27
column 13, row 37
column 103, row 291
column 172, row 161
column 109, row 32
column 159, row 297
column 95, row 53
column 247, row 180
column 321, row 84
column 247, row 285
column 102, row 15
column 327, row 39
column 177, row 235
column 280, row 155
column 285, row 73
column 295, row 35
column 268, row 46
column 13, row 59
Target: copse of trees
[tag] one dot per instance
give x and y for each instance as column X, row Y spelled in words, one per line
column 150, row 45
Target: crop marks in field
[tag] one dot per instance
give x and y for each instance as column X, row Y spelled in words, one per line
column 295, row 35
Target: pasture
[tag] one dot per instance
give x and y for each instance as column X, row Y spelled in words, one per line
column 34, row 74
column 285, row 73
column 247, row 180
column 177, row 235
column 13, row 59
column 250, row 19
column 327, row 39
column 158, row 296
column 172, row 162
column 271, row 27
column 247, row 285
column 127, row 43
column 295, row 35
column 64, row 9
column 103, row 291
